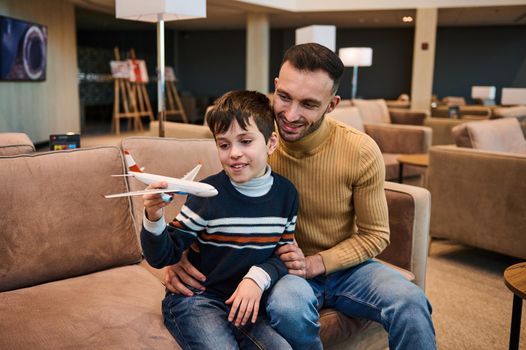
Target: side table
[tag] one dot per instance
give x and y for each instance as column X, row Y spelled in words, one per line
column 515, row 280
column 417, row 159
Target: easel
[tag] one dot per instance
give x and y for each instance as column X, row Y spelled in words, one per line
column 124, row 91
column 145, row 108
column 174, row 105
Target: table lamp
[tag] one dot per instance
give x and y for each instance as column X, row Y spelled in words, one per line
column 160, row 11
column 322, row 34
column 356, row 57
column 484, row 93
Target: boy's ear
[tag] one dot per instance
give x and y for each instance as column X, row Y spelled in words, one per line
column 272, row 143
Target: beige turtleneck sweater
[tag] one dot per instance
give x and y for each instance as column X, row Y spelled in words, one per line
column 339, row 173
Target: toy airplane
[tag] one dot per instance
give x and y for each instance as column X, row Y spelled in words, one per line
column 184, row 185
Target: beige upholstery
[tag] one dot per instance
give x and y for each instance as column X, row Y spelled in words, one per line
column 500, row 135
column 67, row 256
column 408, row 218
column 181, row 130
column 510, row 112
column 477, row 198
column 12, row 143
column 393, row 140
column 377, row 111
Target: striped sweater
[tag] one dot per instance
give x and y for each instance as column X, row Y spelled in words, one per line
column 339, row 173
column 234, row 232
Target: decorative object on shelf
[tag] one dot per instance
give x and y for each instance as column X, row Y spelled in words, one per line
column 356, row 57
column 160, row 11
column 322, row 34
column 486, row 94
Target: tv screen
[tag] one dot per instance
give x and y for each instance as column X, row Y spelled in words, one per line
column 23, row 50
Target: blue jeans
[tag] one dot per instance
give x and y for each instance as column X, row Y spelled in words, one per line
column 369, row 290
column 200, row 322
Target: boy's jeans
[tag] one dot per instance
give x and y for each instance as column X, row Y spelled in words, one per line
column 369, row 290
column 200, row 322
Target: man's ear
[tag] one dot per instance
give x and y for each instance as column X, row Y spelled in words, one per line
column 276, row 79
column 335, row 100
column 272, row 143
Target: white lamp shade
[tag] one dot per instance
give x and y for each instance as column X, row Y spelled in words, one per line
column 483, row 92
column 356, row 56
column 323, row 35
column 154, row 10
column 513, row 96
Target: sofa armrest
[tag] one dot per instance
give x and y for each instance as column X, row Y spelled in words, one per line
column 409, row 215
column 459, row 177
column 13, row 143
column 400, row 138
column 409, row 117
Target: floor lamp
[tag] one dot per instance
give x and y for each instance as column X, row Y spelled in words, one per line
column 356, row 57
column 160, row 11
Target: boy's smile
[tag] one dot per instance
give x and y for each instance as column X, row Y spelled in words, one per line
column 244, row 153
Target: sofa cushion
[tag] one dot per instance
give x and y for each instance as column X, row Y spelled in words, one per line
column 55, row 222
column 373, row 111
column 348, row 115
column 118, row 308
column 499, row 135
column 13, row 143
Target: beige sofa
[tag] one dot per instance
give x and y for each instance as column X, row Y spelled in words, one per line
column 478, row 190
column 72, row 273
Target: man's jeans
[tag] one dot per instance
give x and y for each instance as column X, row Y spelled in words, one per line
column 200, row 322
column 369, row 290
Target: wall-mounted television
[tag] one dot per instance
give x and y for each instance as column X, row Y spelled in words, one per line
column 23, row 50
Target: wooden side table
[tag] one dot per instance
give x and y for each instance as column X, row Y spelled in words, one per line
column 417, row 159
column 515, row 280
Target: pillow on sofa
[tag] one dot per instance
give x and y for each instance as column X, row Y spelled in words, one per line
column 349, row 116
column 373, row 111
column 500, row 135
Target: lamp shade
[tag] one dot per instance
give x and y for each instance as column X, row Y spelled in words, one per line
column 155, row 10
column 323, row 35
column 513, row 96
column 356, row 56
column 483, row 92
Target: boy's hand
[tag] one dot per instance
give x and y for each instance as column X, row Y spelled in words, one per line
column 153, row 202
column 245, row 301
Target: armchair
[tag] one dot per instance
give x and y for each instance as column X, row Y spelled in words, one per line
column 392, row 139
column 408, row 221
column 491, row 174
column 377, row 111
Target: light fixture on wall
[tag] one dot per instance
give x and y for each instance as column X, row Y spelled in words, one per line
column 160, row 11
column 356, row 57
column 322, row 34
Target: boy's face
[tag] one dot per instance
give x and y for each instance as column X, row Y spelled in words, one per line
column 301, row 99
column 244, row 153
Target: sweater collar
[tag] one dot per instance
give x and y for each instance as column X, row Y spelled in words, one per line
column 310, row 143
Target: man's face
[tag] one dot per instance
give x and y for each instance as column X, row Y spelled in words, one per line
column 244, row 153
column 301, row 99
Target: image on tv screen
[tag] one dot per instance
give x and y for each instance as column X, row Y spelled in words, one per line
column 23, row 50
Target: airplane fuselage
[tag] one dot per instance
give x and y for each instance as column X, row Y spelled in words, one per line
column 177, row 185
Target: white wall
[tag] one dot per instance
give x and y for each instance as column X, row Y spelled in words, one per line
column 42, row 108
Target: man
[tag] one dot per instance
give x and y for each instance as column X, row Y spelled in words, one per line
column 342, row 220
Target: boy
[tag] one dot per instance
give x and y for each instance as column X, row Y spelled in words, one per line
column 236, row 231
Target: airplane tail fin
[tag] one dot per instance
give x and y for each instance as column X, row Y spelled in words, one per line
column 130, row 163
column 192, row 173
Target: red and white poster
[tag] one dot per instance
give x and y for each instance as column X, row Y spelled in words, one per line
column 138, row 71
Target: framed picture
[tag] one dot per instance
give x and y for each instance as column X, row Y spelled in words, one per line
column 23, row 50
column 120, row 69
column 138, row 71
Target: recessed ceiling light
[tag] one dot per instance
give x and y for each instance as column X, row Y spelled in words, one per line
column 407, row 19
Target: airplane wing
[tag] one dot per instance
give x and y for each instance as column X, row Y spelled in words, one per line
column 140, row 193
column 190, row 176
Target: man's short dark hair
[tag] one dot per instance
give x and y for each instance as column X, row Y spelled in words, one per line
column 313, row 57
column 241, row 105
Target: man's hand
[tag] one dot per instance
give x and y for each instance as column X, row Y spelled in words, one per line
column 299, row 265
column 245, row 301
column 153, row 202
column 176, row 276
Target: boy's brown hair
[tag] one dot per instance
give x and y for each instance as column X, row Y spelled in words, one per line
column 241, row 105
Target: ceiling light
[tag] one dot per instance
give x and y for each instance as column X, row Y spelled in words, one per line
column 407, row 19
